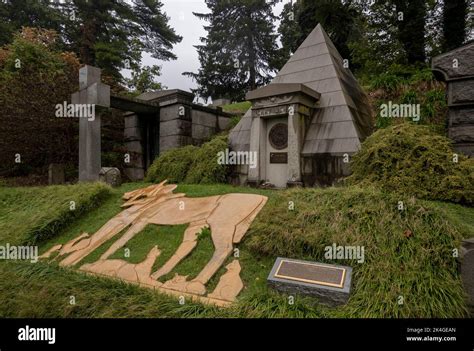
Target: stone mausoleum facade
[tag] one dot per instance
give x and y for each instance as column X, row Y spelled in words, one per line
column 456, row 68
column 178, row 122
column 154, row 123
column 306, row 123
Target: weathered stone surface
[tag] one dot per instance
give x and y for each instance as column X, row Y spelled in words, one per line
column 461, row 91
column 462, row 133
column 88, row 75
column 174, row 141
column 111, row 176
column 312, row 278
column 221, row 102
column 56, row 174
column 204, row 119
column 131, row 121
column 223, row 122
column 177, row 111
column 200, row 132
column 134, row 174
column 175, row 127
column 92, row 92
column 455, row 63
column 467, row 270
column 89, row 149
column 461, row 116
column 331, row 113
column 465, row 148
column 456, row 68
column 132, row 134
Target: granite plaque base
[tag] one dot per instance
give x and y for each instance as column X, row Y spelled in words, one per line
column 331, row 284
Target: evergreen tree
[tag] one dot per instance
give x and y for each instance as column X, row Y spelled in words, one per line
column 337, row 17
column 454, row 23
column 109, row 34
column 15, row 14
column 289, row 30
column 240, row 51
column 434, row 28
column 113, row 34
column 411, row 17
column 144, row 80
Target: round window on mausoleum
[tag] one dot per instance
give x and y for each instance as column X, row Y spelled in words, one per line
column 278, row 136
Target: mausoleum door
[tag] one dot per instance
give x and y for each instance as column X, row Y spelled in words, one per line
column 151, row 141
column 277, row 152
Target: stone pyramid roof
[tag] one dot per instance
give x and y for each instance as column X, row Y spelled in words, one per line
column 343, row 118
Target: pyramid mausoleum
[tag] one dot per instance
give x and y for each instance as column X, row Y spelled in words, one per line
column 306, row 123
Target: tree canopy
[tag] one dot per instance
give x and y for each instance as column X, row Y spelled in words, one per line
column 109, row 34
column 240, row 52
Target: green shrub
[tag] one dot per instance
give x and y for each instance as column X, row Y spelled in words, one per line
column 172, row 165
column 387, row 81
column 205, row 168
column 191, row 164
column 412, row 159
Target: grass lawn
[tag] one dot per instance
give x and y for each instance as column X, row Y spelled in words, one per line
column 238, row 107
column 34, row 214
column 418, row 267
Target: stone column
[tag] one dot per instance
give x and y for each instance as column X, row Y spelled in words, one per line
column 133, row 142
column 89, row 149
column 92, row 92
column 257, row 137
column 295, row 143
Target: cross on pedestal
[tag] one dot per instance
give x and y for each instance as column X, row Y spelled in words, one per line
column 91, row 92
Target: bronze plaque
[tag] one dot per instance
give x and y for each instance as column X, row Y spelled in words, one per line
column 278, row 136
column 278, row 157
column 312, row 273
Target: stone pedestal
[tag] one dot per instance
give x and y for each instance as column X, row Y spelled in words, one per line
column 56, row 174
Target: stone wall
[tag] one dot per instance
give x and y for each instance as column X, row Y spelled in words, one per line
column 456, row 68
column 324, row 170
column 133, row 140
column 181, row 123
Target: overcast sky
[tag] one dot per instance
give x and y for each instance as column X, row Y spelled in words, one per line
column 191, row 29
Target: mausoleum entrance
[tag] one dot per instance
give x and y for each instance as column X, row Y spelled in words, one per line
column 277, row 151
column 280, row 118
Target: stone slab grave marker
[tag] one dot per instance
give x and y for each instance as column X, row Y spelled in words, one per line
column 56, row 174
column 330, row 283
